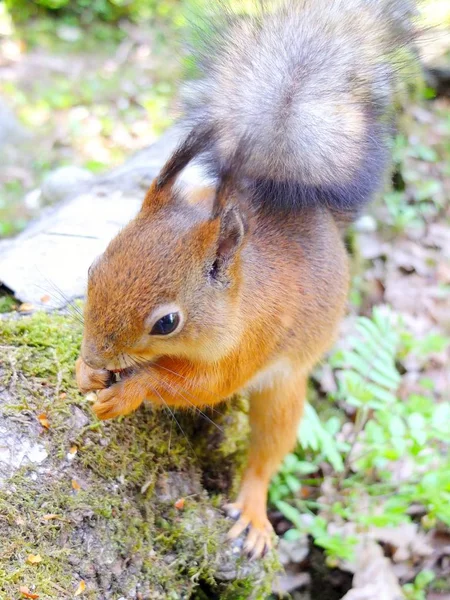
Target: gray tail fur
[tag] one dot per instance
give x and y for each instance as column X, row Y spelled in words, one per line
column 306, row 87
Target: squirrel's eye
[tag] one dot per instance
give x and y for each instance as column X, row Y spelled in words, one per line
column 166, row 324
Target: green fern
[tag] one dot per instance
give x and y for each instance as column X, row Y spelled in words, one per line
column 388, row 430
column 319, row 437
column 367, row 374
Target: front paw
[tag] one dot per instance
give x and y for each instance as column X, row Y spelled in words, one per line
column 89, row 380
column 119, row 399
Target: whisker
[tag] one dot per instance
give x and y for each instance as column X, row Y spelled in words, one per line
column 187, row 379
column 68, row 301
column 144, row 364
column 194, row 406
column 136, row 361
column 72, row 312
column 169, row 388
column 76, row 312
column 174, row 418
column 170, row 436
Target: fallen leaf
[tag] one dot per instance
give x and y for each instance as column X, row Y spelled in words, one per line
column 76, row 486
column 290, row 582
column 374, row 578
column 26, row 592
column 179, row 504
column 80, row 589
column 52, row 517
column 406, row 541
column 409, row 256
column 293, row 551
column 43, row 420
column 26, row 307
column 45, row 299
column 33, row 559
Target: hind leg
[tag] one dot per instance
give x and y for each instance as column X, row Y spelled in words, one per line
column 275, row 414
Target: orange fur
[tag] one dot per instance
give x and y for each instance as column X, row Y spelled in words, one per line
column 260, row 332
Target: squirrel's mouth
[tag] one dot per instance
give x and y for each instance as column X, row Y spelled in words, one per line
column 120, row 374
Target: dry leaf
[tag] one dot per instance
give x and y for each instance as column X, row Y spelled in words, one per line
column 53, row 517
column 26, row 592
column 406, row 541
column 76, row 486
column 180, row 504
column 45, row 298
column 374, row 578
column 26, row 307
column 43, row 420
column 33, row 559
column 80, row 589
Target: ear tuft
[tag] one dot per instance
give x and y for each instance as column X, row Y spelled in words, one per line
column 198, row 141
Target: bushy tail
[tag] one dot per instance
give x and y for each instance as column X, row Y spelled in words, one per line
column 306, row 86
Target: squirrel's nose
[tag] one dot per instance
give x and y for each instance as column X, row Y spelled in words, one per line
column 91, row 356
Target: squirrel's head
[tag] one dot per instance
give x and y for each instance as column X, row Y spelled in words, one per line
column 168, row 284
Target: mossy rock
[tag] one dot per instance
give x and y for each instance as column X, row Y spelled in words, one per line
column 101, row 502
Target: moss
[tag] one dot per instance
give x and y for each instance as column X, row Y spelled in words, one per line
column 7, row 304
column 120, row 531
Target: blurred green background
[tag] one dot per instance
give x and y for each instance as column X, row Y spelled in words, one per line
column 87, row 82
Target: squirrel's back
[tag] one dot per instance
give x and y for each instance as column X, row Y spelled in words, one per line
column 299, row 95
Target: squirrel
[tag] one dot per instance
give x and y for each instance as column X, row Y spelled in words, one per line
column 240, row 286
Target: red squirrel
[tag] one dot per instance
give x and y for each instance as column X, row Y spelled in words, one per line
column 239, row 287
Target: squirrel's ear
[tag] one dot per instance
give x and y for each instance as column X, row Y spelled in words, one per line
column 233, row 221
column 232, row 231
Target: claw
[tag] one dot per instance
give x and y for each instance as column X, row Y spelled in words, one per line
column 233, row 511
column 256, row 529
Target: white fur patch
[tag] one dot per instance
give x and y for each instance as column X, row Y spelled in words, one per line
column 266, row 377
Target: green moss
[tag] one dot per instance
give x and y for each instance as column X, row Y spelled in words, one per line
column 121, row 528
column 7, row 304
